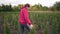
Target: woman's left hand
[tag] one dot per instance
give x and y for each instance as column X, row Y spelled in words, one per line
column 31, row 26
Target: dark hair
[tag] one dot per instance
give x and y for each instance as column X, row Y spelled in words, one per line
column 27, row 5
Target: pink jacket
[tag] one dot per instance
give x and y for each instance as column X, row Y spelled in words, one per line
column 23, row 16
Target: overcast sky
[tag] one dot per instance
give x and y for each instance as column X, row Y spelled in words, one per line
column 32, row 2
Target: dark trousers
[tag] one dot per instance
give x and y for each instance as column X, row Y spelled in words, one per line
column 22, row 28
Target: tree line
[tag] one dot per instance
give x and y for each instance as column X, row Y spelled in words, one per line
column 36, row 7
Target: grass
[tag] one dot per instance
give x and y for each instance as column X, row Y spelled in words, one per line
column 48, row 22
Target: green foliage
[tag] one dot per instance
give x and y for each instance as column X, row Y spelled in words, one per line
column 48, row 22
column 6, row 27
column 57, row 6
column 7, row 30
column 53, row 8
column 32, row 31
column 6, row 7
column 16, row 8
column 46, row 28
column 45, row 8
column 36, row 7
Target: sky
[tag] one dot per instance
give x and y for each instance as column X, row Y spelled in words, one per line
column 32, row 2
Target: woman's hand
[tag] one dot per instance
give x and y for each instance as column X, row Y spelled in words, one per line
column 31, row 26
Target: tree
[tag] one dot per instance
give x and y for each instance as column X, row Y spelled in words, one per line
column 36, row 7
column 6, row 7
column 16, row 8
column 57, row 6
column 45, row 8
column 52, row 8
column 20, row 6
column 0, row 8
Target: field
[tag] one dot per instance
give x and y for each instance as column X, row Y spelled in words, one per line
column 44, row 22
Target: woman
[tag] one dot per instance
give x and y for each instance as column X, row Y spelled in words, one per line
column 24, row 19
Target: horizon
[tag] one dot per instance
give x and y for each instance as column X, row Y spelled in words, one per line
column 47, row 3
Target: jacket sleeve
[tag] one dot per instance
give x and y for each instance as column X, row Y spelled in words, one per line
column 25, row 14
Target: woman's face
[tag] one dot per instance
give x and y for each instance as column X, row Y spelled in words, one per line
column 28, row 7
